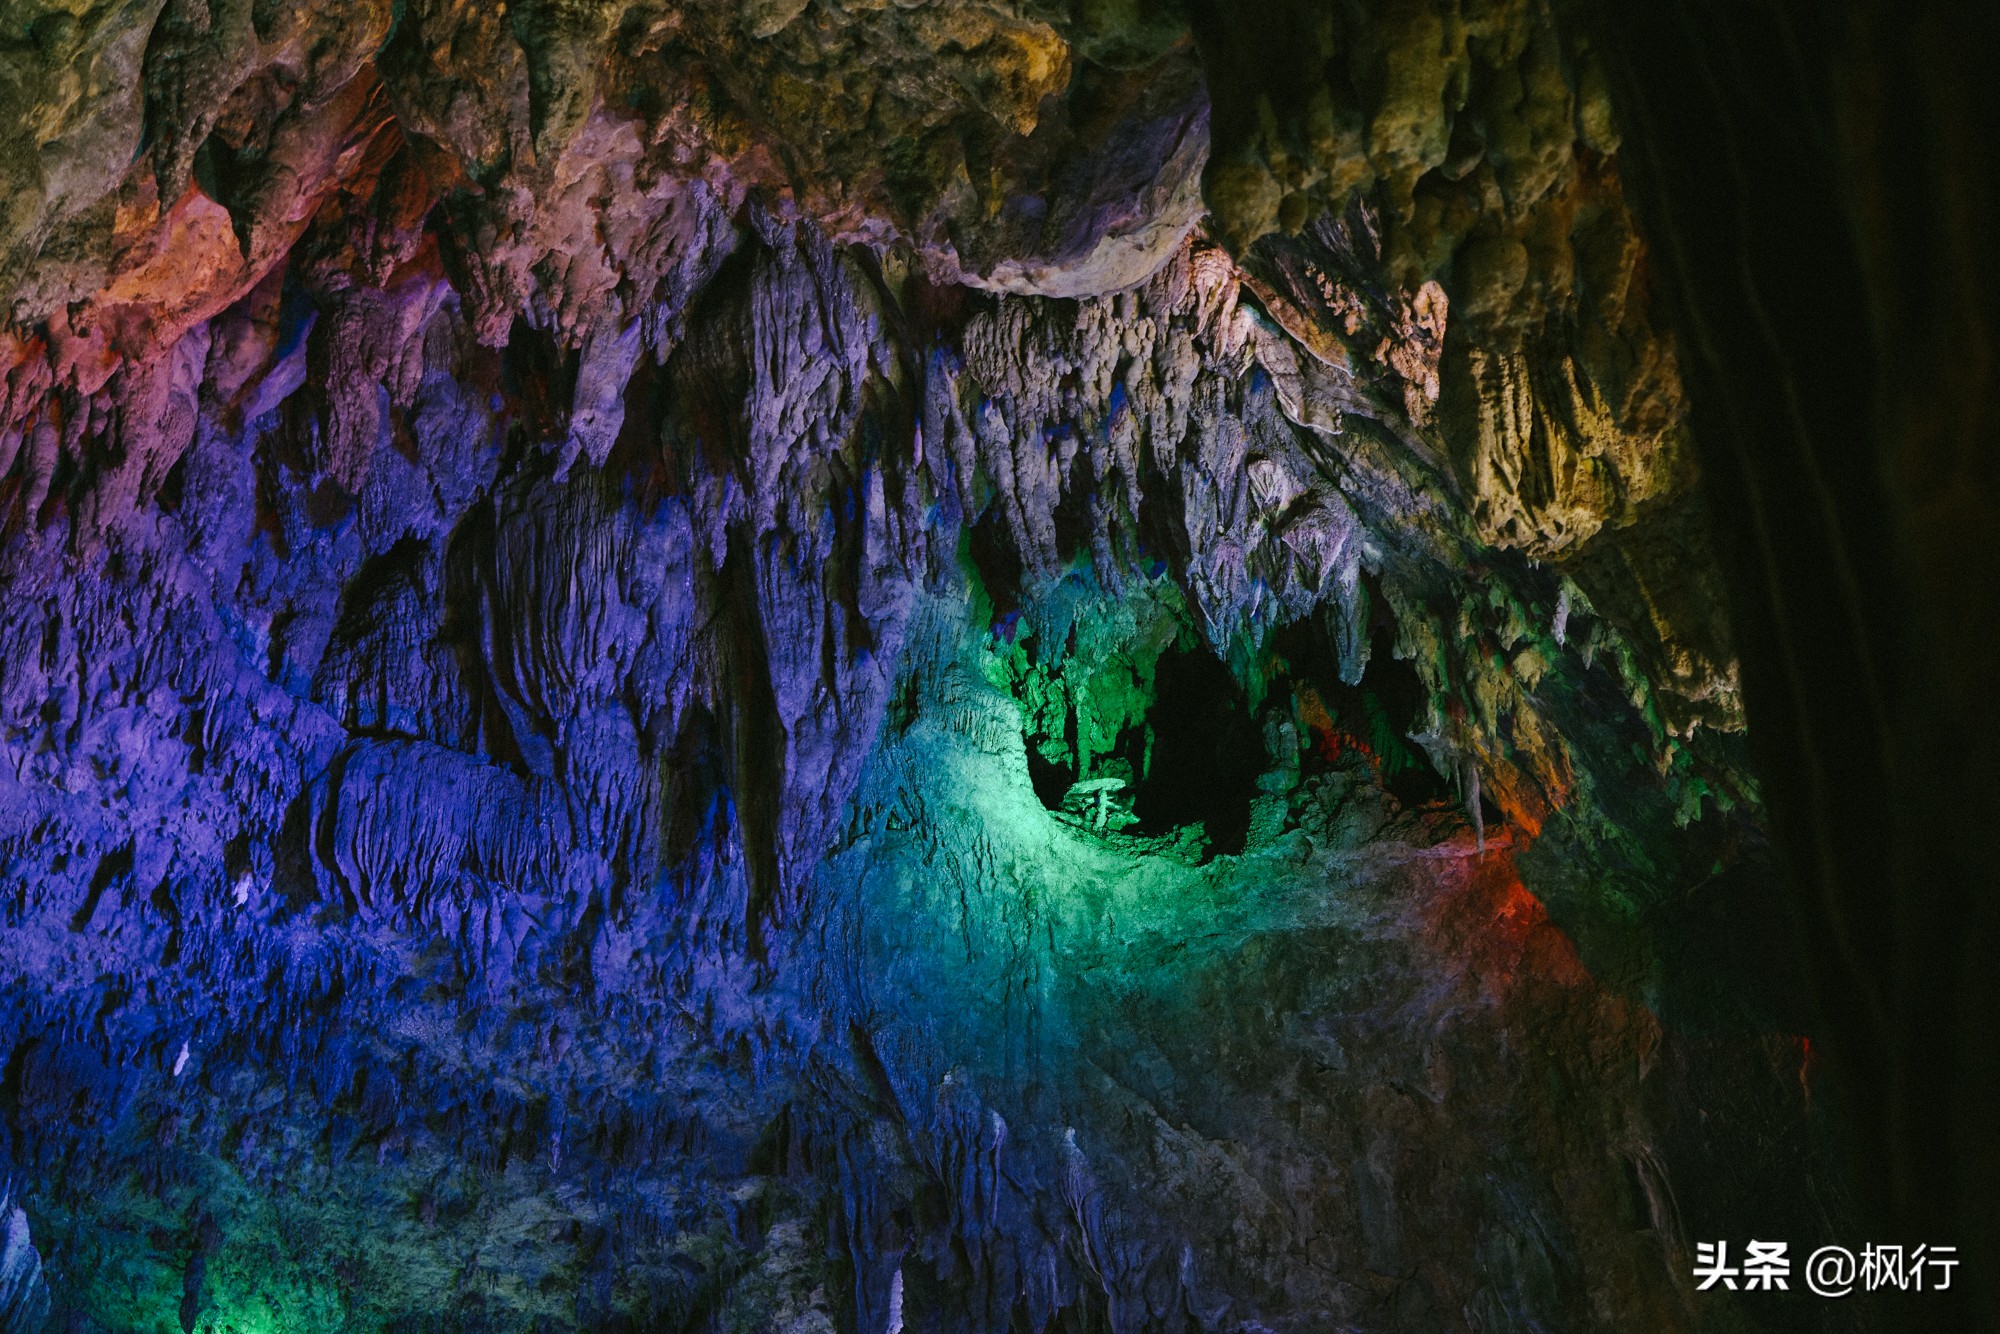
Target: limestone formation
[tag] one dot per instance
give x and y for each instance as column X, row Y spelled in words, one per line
column 794, row 665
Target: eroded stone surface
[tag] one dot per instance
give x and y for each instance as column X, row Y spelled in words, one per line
column 712, row 665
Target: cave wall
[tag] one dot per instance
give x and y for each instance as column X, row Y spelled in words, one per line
column 820, row 666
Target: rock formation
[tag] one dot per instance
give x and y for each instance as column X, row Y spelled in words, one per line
column 801, row 665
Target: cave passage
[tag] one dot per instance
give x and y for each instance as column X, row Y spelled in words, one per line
column 1203, row 751
column 1380, row 714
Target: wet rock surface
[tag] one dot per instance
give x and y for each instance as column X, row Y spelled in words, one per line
column 786, row 667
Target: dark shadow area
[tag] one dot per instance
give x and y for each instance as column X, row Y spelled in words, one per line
column 996, row 565
column 1728, row 943
column 1052, row 780
column 1206, row 752
column 1072, row 512
column 1820, row 183
column 1378, row 715
column 539, row 377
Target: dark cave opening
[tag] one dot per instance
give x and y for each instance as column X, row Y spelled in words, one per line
column 1196, row 756
column 1052, row 780
column 1378, row 715
column 990, row 555
column 1205, row 755
column 1071, row 515
column 1490, row 815
column 1193, row 759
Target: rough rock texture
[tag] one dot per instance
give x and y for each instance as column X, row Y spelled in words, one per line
column 712, row 668
column 1486, row 133
column 24, row 1294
